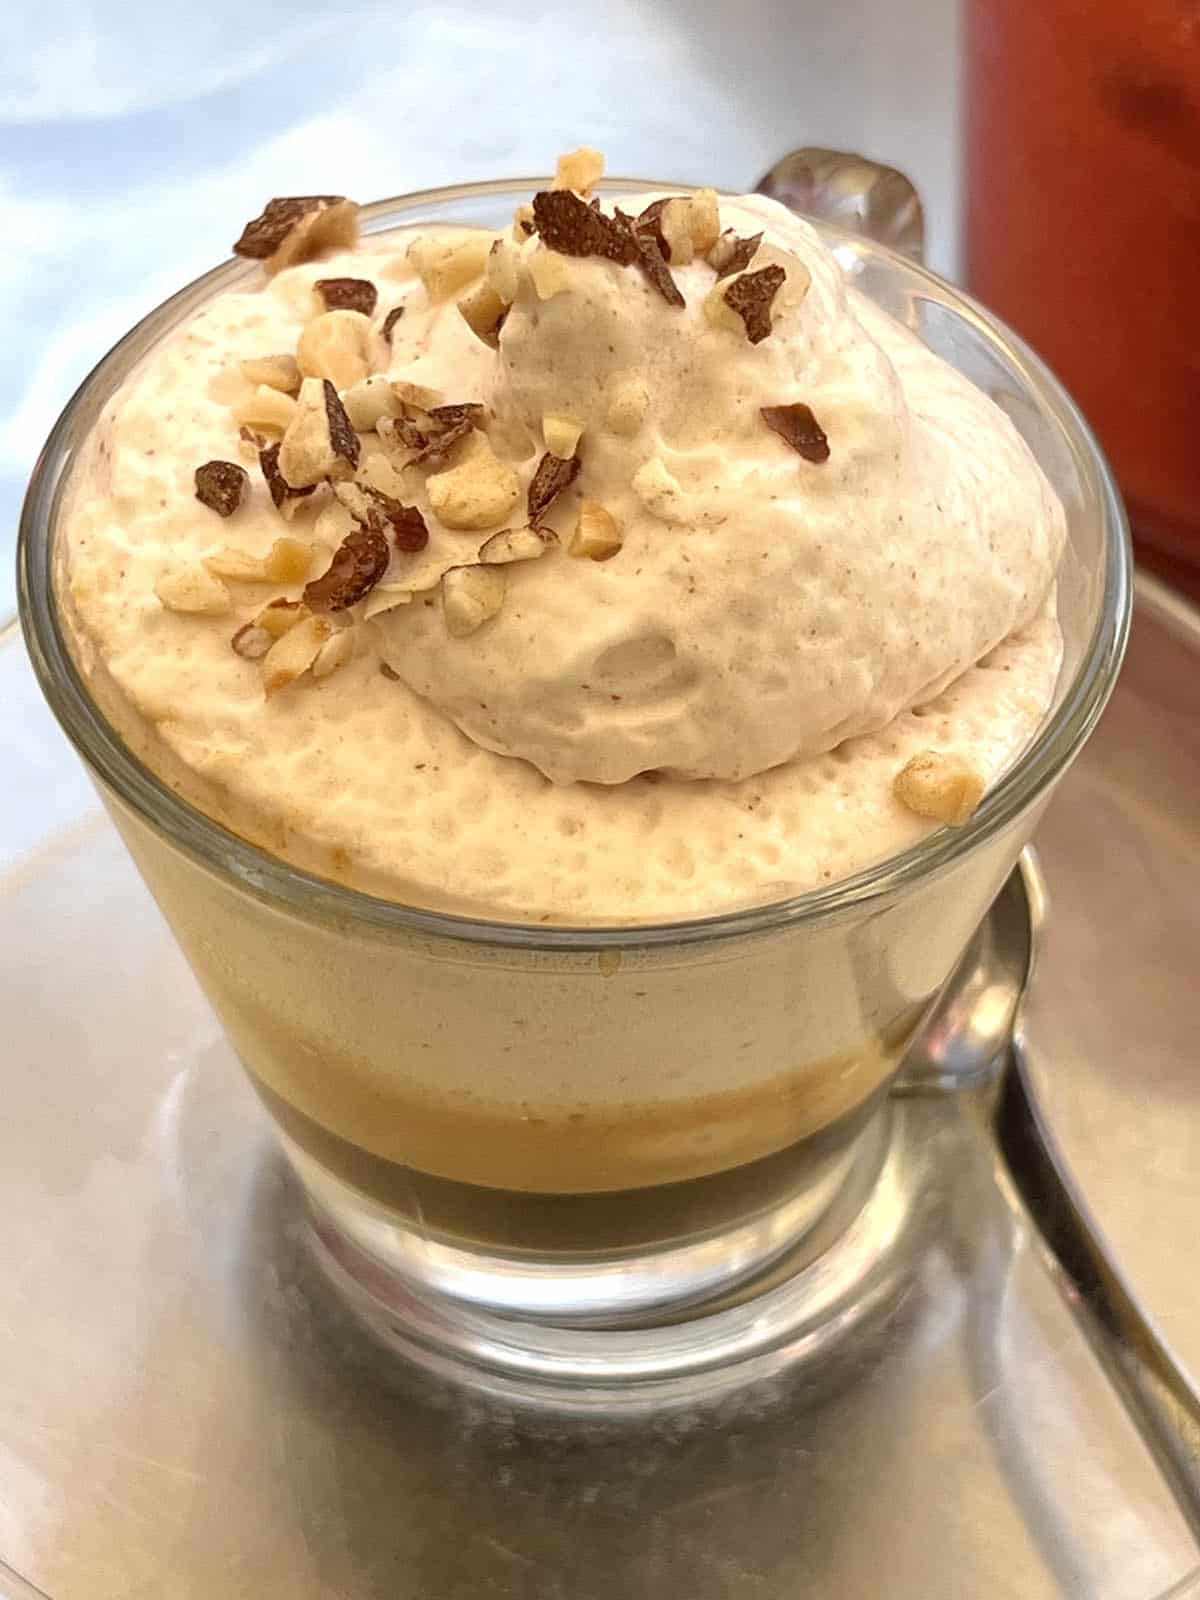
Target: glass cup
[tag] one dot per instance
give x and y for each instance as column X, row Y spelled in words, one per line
column 567, row 1127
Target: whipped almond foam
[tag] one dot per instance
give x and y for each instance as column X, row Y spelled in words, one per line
column 614, row 588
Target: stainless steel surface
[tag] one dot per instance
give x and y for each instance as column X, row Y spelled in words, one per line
column 136, row 138
column 185, row 1411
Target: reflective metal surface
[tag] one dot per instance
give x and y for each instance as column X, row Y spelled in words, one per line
column 187, row 1411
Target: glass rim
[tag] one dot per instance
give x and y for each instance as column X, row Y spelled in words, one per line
column 221, row 850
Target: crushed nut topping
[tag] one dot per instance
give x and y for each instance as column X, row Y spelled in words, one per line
column 334, row 653
column 273, row 372
column 944, row 788
column 291, row 656
column 470, row 596
column 579, row 169
column 516, row 544
column 628, row 398
column 251, row 642
column 357, row 566
column 267, row 410
column 732, row 254
column 553, row 475
column 439, row 446
column 751, row 296
column 797, row 426
column 655, row 269
column 561, row 433
column 597, row 534
column 193, row 590
column 282, row 492
column 390, row 321
column 372, row 508
column 476, row 494
column 569, row 225
column 321, row 442
column 280, row 616
column 444, row 267
column 501, row 270
column 348, row 294
column 294, row 228
column 221, row 486
column 287, row 561
column 548, row 272
column 484, row 312
column 334, row 346
column 368, row 402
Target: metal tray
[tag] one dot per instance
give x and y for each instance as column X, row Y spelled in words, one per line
column 187, row 1412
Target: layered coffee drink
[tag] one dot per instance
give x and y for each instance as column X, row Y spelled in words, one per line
column 570, row 584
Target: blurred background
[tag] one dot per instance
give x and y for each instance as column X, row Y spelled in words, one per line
column 136, row 138
column 1056, row 147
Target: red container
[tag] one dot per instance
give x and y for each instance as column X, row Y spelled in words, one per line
column 1083, row 228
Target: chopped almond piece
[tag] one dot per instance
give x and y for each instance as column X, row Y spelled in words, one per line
column 705, row 220
column 334, row 653
column 660, row 492
column 675, row 221
column 267, row 410
column 476, row 494
column 281, row 616
column 320, row 442
column 516, row 544
column 297, row 227
column 549, row 272
column 369, row 401
column 944, row 788
column 287, row 561
column 562, row 434
column 628, row 398
column 292, row 655
column 522, row 223
column 470, row 596
column 334, row 346
column 501, row 270
column 193, row 590
column 484, row 311
column 580, row 170
column 597, row 534
column 251, row 642
column 273, row 372
column 445, row 266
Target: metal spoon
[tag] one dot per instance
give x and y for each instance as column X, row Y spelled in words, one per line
column 973, row 1031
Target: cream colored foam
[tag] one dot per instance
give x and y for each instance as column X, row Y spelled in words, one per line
column 362, row 779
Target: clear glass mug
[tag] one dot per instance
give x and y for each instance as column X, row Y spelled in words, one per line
column 667, row 1108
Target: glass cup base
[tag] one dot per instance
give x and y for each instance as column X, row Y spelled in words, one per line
column 830, row 1274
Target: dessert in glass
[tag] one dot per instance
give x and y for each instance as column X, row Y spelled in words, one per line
column 574, row 663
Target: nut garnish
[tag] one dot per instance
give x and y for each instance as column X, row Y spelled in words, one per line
column 750, row 296
column 516, row 544
column 476, row 494
column 444, row 268
column 273, row 372
column 287, row 561
column 441, row 442
column 705, row 219
column 569, row 225
column 193, row 590
column 553, row 475
column 942, row 787
column 221, row 486
column 549, row 273
column 797, row 426
column 357, row 566
column 334, row 346
column 416, row 394
column 659, row 492
column 484, row 312
column 281, row 616
column 470, row 596
column 348, row 294
column 374, row 509
column 368, row 401
column 390, row 321
column 334, row 653
column 251, row 642
column 561, row 433
column 295, row 227
column 501, row 270
column 283, row 494
column 676, row 225
column 385, row 597
column 522, row 223
column 597, row 534
column 733, row 254
column 320, row 442
column 579, row 169
column 292, row 655
column 628, row 398
column 655, row 270
column 267, row 410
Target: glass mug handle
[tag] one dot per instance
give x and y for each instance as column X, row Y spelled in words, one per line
column 851, row 192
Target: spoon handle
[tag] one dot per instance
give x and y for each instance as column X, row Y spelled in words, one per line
column 1157, row 1392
